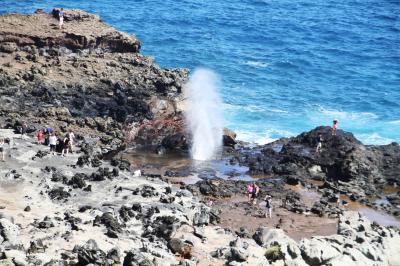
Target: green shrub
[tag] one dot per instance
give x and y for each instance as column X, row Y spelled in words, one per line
column 274, row 253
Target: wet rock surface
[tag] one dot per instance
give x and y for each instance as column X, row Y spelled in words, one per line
column 343, row 167
column 92, row 207
column 154, row 223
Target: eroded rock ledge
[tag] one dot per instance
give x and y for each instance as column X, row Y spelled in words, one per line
column 87, row 77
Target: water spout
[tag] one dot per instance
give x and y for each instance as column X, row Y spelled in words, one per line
column 203, row 116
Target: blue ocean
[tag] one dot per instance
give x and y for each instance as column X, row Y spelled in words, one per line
column 286, row 66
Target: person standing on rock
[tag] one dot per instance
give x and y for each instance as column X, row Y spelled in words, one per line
column 61, row 18
column 66, row 146
column 40, row 136
column 254, row 193
column 268, row 205
column 2, row 149
column 71, row 137
column 249, row 192
column 319, row 143
column 53, row 143
column 23, row 129
column 334, row 127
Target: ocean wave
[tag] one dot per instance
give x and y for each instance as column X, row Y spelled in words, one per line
column 373, row 139
column 251, row 108
column 266, row 137
column 256, row 64
column 395, row 122
column 253, row 138
column 276, row 110
column 347, row 116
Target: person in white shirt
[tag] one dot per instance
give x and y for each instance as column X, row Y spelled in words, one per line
column 61, row 18
column 71, row 137
column 53, row 143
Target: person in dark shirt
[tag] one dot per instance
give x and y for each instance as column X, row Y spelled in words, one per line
column 268, row 205
column 319, row 143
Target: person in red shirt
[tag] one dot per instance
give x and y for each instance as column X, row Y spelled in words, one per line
column 40, row 136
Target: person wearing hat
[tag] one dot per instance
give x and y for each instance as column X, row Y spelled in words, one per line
column 268, row 205
column 334, row 127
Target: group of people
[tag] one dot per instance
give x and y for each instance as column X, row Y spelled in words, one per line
column 56, row 144
column 253, row 190
column 47, row 137
column 252, row 194
column 320, row 138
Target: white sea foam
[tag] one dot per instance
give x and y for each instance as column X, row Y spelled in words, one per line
column 204, row 114
column 254, row 137
column 253, row 108
column 374, row 139
column 256, row 64
column 349, row 116
column 268, row 136
column 276, row 110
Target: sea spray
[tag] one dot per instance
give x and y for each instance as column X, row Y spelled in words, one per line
column 203, row 114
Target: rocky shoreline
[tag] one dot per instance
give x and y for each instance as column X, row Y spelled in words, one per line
column 87, row 77
column 55, row 212
column 93, row 207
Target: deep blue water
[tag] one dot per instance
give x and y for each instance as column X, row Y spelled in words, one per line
column 286, row 66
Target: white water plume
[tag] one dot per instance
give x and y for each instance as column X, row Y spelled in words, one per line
column 203, row 114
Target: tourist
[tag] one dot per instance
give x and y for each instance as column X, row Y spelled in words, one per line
column 39, row 136
column 53, row 143
column 61, row 17
column 23, row 129
column 71, row 137
column 65, row 146
column 59, row 145
column 46, row 137
column 334, row 127
column 47, row 133
column 254, row 193
column 268, row 205
column 210, row 202
column 319, row 143
column 249, row 192
column 2, row 148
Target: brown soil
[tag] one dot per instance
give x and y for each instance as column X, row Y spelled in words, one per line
column 297, row 226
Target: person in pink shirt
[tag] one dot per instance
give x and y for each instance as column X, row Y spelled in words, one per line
column 334, row 127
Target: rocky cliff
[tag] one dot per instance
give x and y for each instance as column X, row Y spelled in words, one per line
column 87, row 77
column 344, row 166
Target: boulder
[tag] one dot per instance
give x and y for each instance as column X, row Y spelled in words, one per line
column 318, row 251
column 9, row 232
column 90, row 254
column 136, row 258
column 228, row 138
